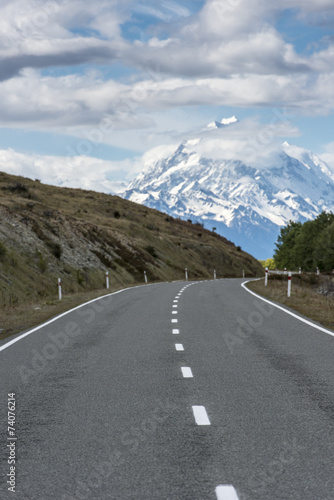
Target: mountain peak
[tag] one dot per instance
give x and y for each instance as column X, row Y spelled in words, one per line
column 223, row 123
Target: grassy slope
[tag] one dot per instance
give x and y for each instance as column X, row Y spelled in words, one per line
column 48, row 232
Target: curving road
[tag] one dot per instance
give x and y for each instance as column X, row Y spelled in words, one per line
column 175, row 391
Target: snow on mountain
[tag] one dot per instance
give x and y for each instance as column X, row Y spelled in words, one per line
column 246, row 203
column 223, row 122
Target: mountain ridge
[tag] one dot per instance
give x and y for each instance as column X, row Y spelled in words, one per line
column 244, row 203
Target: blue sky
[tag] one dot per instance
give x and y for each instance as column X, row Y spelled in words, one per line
column 103, row 84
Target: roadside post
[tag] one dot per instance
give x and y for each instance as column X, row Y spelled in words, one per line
column 107, row 280
column 59, row 289
column 266, row 277
column 289, row 284
column 186, row 270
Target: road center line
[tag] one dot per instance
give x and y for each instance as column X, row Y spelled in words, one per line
column 201, row 417
column 226, row 492
column 174, row 312
column 179, row 347
column 186, row 372
column 174, row 321
column 175, row 331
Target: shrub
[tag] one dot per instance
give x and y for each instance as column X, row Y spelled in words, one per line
column 151, row 251
column 41, row 262
column 3, row 250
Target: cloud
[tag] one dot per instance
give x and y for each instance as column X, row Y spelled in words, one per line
column 249, row 141
column 228, row 53
column 53, row 33
column 77, row 172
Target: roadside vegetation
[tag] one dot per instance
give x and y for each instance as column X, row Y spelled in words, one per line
column 309, row 245
column 311, row 295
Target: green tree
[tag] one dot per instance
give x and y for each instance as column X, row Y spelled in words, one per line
column 324, row 250
column 305, row 253
column 283, row 255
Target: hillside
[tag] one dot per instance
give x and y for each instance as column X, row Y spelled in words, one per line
column 48, row 232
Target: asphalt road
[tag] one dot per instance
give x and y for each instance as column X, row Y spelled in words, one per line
column 152, row 395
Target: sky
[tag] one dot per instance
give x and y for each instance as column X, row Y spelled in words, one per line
column 89, row 91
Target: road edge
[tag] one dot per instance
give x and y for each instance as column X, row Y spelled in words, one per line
column 55, row 318
column 282, row 308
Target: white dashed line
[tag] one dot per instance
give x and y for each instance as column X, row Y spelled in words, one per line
column 186, row 372
column 201, row 417
column 175, row 301
column 226, row 492
column 174, row 312
column 175, row 305
column 179, row 347
column 176, row 331
column 174, row 321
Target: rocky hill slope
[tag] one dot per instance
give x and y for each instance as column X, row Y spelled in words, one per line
column 48, row 232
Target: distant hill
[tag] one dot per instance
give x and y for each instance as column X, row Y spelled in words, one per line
column 48, row 232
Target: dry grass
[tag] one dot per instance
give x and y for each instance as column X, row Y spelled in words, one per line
column 25, row 316
column 305, row 296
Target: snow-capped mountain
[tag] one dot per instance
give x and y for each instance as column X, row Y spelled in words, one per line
column 245, row 201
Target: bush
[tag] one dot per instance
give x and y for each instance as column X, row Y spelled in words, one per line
column 55, row 248
column 3, row 250
column 41, row 262
column 151, row 251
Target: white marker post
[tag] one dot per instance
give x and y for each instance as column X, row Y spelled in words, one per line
column 300, row 270
column 145, row 275
column 107, row 280
column 214, row 275
column 285, row 270
column 318, row 272
column 266, row 277
column 186, row 274
column 243, row 274
column 289, row 284
column 59, row 289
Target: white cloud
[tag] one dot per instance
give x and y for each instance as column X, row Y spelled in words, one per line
column 77, row 172
column 227, row 54
column 254, row 143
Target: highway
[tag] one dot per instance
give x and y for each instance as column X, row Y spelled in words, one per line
column 171, row 391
